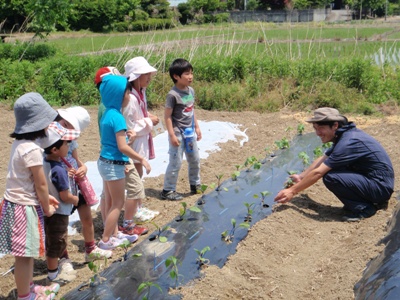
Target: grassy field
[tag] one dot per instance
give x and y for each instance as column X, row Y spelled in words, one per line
column 218, row 35
column 255, row 66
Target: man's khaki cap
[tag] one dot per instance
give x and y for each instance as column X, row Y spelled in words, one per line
column 327, row 114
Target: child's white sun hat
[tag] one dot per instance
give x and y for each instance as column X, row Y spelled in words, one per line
column 77, row 116
column 138, row 66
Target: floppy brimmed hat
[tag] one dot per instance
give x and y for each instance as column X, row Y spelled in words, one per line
column 56, row 132
column 103, row 72
column 32, row 113
column 138, row 66
column 77, row 116
column 327, row 114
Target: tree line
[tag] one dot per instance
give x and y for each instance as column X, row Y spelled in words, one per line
column 45, row 16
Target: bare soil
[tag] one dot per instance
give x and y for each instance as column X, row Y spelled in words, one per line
column 301, row 251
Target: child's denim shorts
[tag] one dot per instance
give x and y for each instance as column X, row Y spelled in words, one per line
column 110, row 172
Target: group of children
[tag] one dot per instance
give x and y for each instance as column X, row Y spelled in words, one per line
column 41, row 189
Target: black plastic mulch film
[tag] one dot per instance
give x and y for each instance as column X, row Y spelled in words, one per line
column 197, row 230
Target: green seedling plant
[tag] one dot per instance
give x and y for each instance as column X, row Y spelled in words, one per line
column 263, row 195
column 249, row 207
column 289, row 182
column 160, row 230
column 125, row 246
column 228, row 236
column 219, row 178
column 288, row 129
column 300, row 129
column 252, row 161
column 327, row 145
column 305, row 159
column 283, row 143
column 147, row 286
column 96, row 266
column 203, row 188
column 174, row 273
column 200, row 258
column 183, row 210
column 318, row 152
column 236, row 174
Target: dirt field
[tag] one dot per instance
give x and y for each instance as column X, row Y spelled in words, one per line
column 301, row 252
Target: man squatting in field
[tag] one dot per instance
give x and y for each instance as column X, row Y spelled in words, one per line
column 356, row 168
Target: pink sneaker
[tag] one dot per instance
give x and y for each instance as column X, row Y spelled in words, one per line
column 42, row 292
column 112, row 243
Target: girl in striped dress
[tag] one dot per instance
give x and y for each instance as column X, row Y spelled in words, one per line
column 26, row 198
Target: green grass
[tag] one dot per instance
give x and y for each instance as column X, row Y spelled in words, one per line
column 192, row 36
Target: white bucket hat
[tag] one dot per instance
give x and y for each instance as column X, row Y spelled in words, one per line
column 136, row 67
column 77, row 116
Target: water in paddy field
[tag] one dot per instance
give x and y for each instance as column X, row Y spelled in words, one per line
column 389, row 56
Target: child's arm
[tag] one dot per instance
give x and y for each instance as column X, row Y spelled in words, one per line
column 128, row 151
column 153, row 118
column 48, row 203
column 134, row 118
column 168, row 123
column 197, row 128
column 67, row 197
column 82, row 169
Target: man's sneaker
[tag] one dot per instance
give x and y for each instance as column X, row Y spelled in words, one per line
column 97, row 254
column 133, row 229
column 65, row 266
column 42, row 292
column 358, row 216
column 195, row 189
column 171, row 195
column 112, row 243
column 383, row 205
column 131, row 238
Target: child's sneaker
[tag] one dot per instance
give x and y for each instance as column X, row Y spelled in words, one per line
column 195, row 189
column 45, row 292
column 154, row 213
column 65, row 266
column 112, row 243
column 131, row 229
column 131, row 238
column 62, row 278
column 97, row 254
column 171, row 195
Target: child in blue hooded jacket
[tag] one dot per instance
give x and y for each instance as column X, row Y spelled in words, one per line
column 114, row 156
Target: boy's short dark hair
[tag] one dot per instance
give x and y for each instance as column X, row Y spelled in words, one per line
column 30, row 136
column 57, row 145
column 178, row 67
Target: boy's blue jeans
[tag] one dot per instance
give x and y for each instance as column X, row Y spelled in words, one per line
column 175, row 163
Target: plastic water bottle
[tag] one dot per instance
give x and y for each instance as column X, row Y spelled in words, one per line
column 188, row 134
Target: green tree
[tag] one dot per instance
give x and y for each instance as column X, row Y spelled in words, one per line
column 157, row 8
column 13, row 12
column 47, row 14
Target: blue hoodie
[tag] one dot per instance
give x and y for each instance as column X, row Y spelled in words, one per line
column 112, row 90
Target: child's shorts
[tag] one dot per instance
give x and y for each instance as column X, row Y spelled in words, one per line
column 56, row 228
column 110, row 172
column 21, row 230
column 134, row 184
